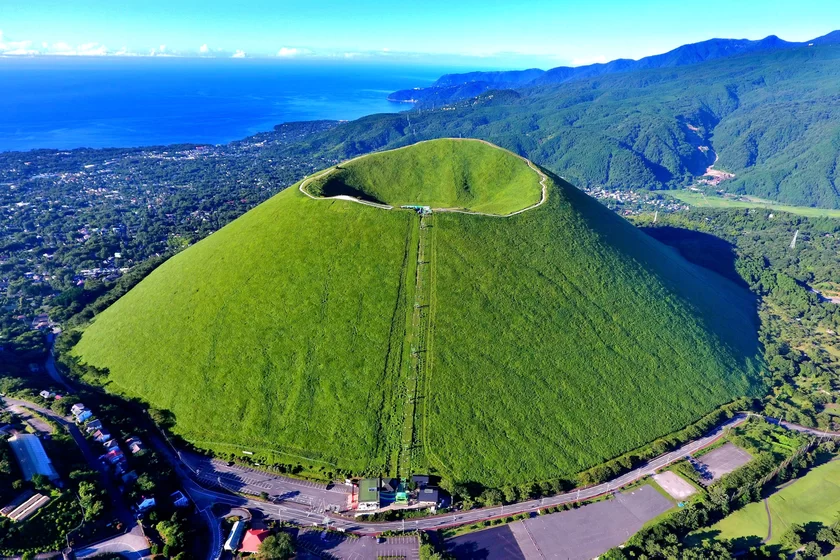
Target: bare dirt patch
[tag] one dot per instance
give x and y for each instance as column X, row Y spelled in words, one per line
column 674, row 484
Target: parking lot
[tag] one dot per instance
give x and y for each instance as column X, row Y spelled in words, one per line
column 323, row 544
column 720, row 461
column 578, row 534
column 492, row 544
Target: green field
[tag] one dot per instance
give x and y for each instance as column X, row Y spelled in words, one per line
column 311, row 328
column 707, row 201
column 815, row 497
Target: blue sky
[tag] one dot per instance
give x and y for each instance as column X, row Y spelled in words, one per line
column 486, row 33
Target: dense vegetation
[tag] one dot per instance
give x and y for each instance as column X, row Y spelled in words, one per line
column 78, row 508
column 286, row 332
column 779, row 456
column 770, row 116
column 815, row 498
column 73, row 222
column 95, row 504
column 798, row 325
column 597, row 317
column 454, row 87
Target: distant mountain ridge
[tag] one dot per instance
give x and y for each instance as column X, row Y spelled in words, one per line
column 769, row 119
column 454, row 87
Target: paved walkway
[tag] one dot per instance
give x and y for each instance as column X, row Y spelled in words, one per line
column 133, row 544
column 28, row 417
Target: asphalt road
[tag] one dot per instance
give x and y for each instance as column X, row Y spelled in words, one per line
column 52, row 371
column 317, row 497
column 132, row 545
column 305, row 510
column 311, row 504
column 305, row 516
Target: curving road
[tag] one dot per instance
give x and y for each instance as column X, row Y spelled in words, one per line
column 299, row 513
column 307, row 503
column 197, row 473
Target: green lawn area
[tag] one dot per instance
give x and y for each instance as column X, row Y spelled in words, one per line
column 603, row 331
column 815, row 497
column 449, row 173
column 696, row 199
column 289, row 331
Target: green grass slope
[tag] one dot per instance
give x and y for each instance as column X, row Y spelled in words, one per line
column 815, row 497
column 563, row 336
column 553, row 339
column 447, row 173
column 272, row 333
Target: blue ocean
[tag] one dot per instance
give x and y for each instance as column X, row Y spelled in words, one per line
column 124, row 102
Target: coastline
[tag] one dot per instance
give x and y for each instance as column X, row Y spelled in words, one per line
column 186, row 101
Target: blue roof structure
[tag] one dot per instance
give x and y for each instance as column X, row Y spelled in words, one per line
column 31, row 456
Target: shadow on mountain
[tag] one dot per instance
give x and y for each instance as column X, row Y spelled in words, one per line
column 702, row 249
column 336, row 187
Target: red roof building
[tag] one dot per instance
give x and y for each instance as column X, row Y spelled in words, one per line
column 253, row 539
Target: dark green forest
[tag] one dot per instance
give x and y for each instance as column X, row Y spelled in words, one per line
column 771, row 117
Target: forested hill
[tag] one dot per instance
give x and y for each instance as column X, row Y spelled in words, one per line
column 454, row 87
column 773, row 118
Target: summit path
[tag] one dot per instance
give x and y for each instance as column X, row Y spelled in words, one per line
column 419, row 332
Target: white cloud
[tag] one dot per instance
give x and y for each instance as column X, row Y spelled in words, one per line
column 162, row 48
column 587, row 60
column 204, row 49
column 92, row 49
column 239, row 54
column 16, row 48
column 20, row 52
column 61, row 48
column 289, row 52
